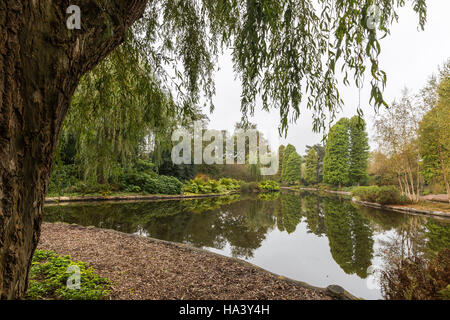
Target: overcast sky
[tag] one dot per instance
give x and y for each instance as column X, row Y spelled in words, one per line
column 408, row 56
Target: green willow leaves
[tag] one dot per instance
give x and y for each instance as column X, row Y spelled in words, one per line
column 283, row 51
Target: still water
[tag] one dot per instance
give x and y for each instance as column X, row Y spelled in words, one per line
column 318, row 240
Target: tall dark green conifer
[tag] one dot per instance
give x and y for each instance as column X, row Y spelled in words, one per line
column 286, row 154
column 336, row 162
column 359, row 151
column 312, row 160
column 293, row 168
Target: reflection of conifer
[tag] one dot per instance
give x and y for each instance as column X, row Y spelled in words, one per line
column 291, row 212
column 350, row 237
column 313, row 213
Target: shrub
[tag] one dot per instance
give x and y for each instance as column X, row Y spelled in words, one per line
column 269, row 186
column 134, row 178
column 229, row 183
column 381, row 195
column 48, row 279
column 325, row 187
column 150, row 182
column 197, row 185
column 133, row 189
column 163, row 185
column 144, row 166
column 215, row 186
column 201, row 176
column 201, row 185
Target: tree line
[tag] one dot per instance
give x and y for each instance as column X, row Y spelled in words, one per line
column 342, row 161
column 413, row 138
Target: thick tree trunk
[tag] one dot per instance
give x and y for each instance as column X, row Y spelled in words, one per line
column 41, row 62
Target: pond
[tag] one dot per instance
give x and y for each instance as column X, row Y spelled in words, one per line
column 318, row 240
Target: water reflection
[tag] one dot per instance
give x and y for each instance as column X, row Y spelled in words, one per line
column 326, row 240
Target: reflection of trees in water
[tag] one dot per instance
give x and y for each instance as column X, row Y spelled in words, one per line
column 125, row 217
column 313, row 212
column 415, row 242
column 349, row 235
column 290, row 213
column 408, row 240
column 269, row 196
column 438, row 236
column 381, row 220
column 243, row 223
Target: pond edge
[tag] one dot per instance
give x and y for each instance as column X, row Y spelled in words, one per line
column 379, row 206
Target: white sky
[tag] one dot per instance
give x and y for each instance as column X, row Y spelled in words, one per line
column 409, row 57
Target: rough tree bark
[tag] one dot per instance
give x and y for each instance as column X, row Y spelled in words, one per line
column 41, row 62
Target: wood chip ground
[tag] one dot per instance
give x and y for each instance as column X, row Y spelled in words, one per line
column 145, row 269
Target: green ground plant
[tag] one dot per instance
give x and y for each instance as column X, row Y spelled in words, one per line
column 269, row 186
column 205, row 186
column 48, row 279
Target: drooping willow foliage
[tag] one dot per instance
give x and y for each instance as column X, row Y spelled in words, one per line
column 285, row 51
column 291, row 53
column 119, row 112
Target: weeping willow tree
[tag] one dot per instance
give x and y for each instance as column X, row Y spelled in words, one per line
column 120, row 112
column 282, row 50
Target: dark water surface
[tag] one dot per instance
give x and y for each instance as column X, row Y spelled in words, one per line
column 320, row 241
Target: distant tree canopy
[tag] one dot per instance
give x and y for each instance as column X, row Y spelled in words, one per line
column 413, row 139
column 380, row 169
column 434, row 138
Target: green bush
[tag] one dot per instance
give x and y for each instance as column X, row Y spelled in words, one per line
column 139, row 178
column 199, row 185
column 269, row 186
column 229, row 183
column 381, row 195
column 48, row 279
column 163, row 185
column 150, row 182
